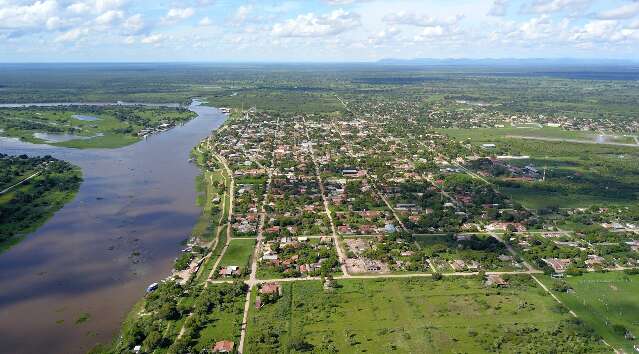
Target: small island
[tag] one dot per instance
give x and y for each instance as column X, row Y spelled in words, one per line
column 32, row 189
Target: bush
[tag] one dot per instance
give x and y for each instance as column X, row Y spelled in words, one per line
column 437, row 276
column 632, row 271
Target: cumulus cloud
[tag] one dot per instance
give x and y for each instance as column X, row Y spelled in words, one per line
column 72, row 35
column 498, row 8
column 109, row 17
column 95, row 6
column 598, row 30
column 178, row 14
column 27, row 16
column 622, row 12
column 242, row 13
column 205, row 22
column 312, row 25
column 134, row 24
column 384, row 36
column 554, row 6
column 414, row 19
column 152, row 39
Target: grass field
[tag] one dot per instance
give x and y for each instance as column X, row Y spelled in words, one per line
column 484, row 135
column 455, row 315
column 577, row 175
column 239, row 253
column 603, row 300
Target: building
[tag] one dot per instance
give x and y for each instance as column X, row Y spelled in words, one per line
column 558, row 265
column 225, row 346
column 497, row 280
column 230, row 271
column 458, row 265
column 271, row 288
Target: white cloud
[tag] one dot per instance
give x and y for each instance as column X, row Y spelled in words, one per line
column 430, row 33
column 598, row 30
column 384, row 36
column 311, row 25
column 72, row 35
column 27, row 16
column 178, row 14
column 152, row 39
column 109, row 17
column 95, row 6
column 554, row 6
column 499, row 8
column 622, row 12
column 414, row 19
column 242, row 13
column 134, row 24
column 205, row 22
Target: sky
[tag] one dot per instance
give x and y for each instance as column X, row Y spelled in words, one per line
column 314, row 30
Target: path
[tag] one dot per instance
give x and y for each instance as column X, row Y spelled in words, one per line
column 19, row 183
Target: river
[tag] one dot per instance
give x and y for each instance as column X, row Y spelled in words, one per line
column 84, row 261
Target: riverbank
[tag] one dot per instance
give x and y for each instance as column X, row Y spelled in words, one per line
column 184, row 303
column 93, row 259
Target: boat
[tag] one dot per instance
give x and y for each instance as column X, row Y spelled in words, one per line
column 151, row 287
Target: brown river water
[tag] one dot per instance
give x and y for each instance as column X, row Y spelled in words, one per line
column 140, row 198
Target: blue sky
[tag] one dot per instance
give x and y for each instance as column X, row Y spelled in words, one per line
column 315, row 30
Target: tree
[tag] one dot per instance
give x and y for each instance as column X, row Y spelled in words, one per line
column 152, row 341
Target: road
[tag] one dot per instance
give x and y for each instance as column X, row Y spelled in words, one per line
column 252, row 281
column 338, row 248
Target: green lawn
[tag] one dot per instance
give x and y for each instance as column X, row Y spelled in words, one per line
column 457, row 315
column 603, row 300
column 239, row 253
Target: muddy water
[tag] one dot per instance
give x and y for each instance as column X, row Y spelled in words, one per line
column 84, row 260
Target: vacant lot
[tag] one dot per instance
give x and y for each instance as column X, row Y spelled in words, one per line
column 415, row 315
column 238, row 254
column 606, row 301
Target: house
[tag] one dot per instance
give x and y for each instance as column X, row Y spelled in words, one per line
column 269, row 256
column 558, row 265
column 225, row 346
column 271, row 288
column 594, row 260
column 230, row 271
column 458, row 265
column 497, row 280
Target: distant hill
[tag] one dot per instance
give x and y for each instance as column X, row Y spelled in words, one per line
column 507, row 62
